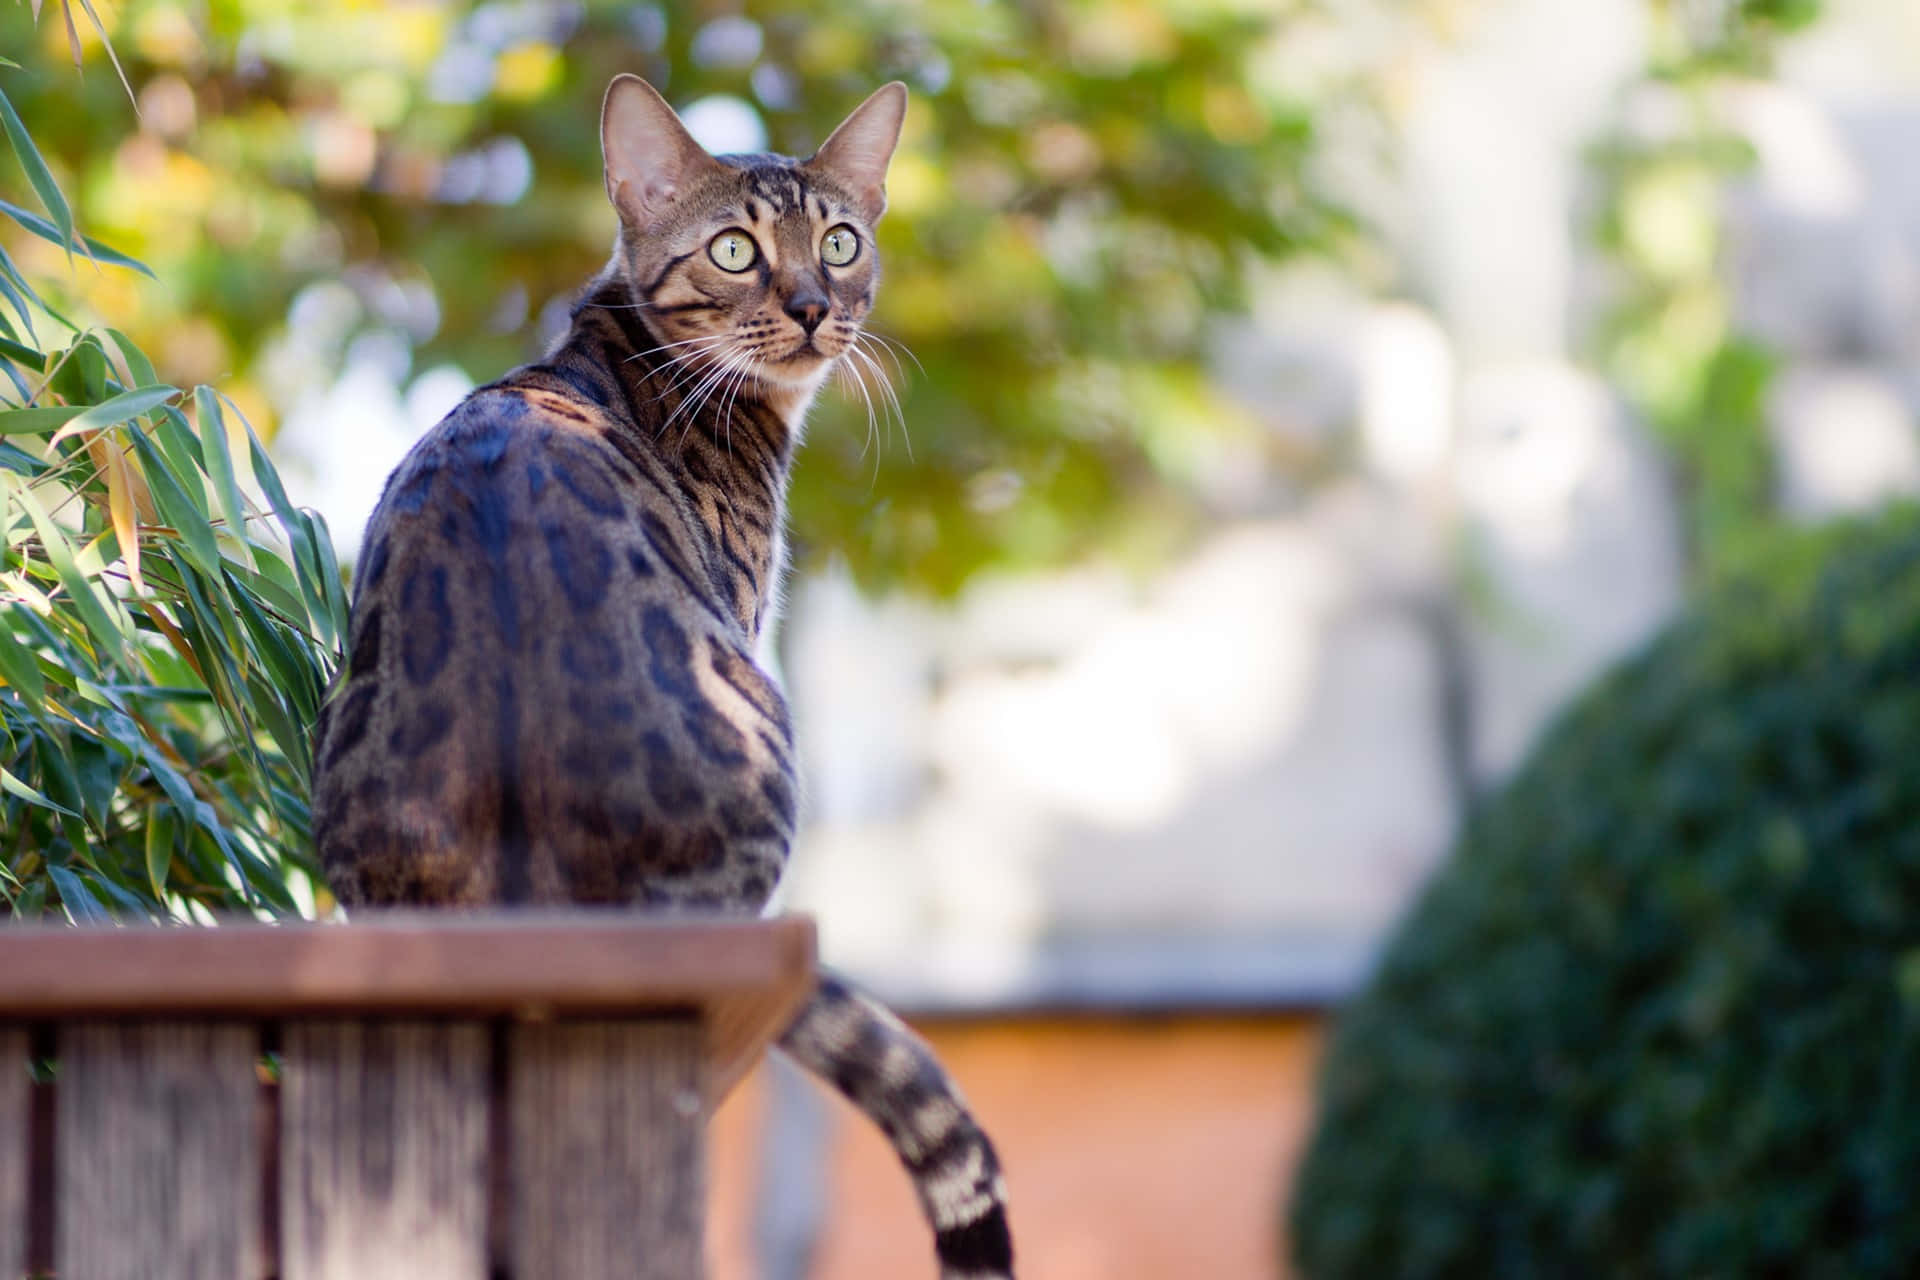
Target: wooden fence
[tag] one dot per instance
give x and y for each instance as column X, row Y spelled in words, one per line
column 435, row 1097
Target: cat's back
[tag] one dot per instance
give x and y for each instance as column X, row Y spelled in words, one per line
column 528, row 713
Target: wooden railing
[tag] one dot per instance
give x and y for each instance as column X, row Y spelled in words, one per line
column 497, row 1097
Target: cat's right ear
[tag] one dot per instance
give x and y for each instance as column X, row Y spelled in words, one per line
column 651, row 160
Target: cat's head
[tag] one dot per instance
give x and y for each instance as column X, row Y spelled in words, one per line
column 761, row 260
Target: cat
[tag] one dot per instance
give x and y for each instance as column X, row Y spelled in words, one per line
column 552, row 692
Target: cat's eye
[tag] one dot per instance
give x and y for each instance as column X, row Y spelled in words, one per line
column 840, row 246
column 733, row 251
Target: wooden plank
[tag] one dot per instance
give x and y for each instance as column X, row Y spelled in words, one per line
column 608, row 1155
column 750, row 976
column 156, row 1171
column 383, row 1150
column 16, row 1110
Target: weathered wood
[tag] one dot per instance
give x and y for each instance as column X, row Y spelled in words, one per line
column 156, row 1177
column 15, row 1135
column 609, row 1175
column 748, row 976
column 383, row 1151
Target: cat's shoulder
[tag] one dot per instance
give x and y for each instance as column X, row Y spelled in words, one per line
column 531, row 435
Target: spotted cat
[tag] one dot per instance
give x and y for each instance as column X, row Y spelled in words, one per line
column 552, row 694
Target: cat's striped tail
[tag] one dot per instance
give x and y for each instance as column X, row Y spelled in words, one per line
column 850, row 1041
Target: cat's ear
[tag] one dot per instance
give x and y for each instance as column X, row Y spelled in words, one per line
column 856, row 156
column 651, row 160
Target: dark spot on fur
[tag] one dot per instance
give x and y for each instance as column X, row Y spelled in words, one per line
column 583, row 384
column 585, row 476
column 373, row 568
column 778, row 792
column 428, row 724
column 670, row 664
column 364, row 647
column 742, row 824
column 370, row 791
column 660, row 537
column 590, row 654
column 751, row 683
column 676, row 791
column 347, row 721
column 717, row 737
column 595, row 759
column 481, row 440
column 536, row 481
column 516, row 872
column 597, row 710
column 637, row 562
column 669, row 655
column 581, row 563
column 410, row 488
column 426, row 623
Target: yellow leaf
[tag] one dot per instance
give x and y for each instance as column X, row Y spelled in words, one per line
column 119, row 478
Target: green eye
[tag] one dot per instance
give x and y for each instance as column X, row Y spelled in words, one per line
column 732, row 251
column 841, row 246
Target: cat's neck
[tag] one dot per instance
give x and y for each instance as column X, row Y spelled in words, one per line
column 733, row 451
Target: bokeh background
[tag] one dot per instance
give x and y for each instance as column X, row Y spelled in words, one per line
column 1300, row 402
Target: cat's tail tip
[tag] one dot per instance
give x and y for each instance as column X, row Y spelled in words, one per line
column 981, row 1249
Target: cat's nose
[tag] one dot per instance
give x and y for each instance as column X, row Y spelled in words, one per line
column 808, row 307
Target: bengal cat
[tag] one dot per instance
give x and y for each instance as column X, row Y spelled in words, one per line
column 552, row 693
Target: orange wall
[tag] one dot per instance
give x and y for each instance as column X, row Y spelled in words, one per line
column 1135, row 1150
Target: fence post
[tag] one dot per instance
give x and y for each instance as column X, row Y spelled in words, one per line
column 509, row 1094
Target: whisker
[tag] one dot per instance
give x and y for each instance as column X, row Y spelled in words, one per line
column 892, row 398
column 892, row 344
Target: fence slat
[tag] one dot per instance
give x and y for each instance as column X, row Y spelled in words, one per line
column 15, row 1126
column 383, row 1150
column 157, row 1178
column 609, row 1177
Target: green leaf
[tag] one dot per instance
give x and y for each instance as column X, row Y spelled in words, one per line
column 138, row 365
column 15, row 787
column 38, row 420
column 77, row 897
column 18, row 668
column 93, row 248
column 161, row 827
column 37, row 172
column 215, row 450
column 177, row 507
column 103, row 616
column 118, row 409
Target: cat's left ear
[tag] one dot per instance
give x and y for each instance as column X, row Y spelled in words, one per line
column 857, row 153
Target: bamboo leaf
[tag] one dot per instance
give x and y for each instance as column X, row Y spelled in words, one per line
column 38, row 175
column 21, row 671
column 13, row 786
column 38, row 420
column 76, row 897
column 118, row 409
column 177, row 508
column 217, row 451
column 102, row 615
column 93, row 248
column 120, row 510
column 159, row 851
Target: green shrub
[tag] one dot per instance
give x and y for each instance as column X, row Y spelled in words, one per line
column 165, row 638
column 1660, row 1015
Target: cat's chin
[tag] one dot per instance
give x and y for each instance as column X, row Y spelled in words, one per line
column 801, row 371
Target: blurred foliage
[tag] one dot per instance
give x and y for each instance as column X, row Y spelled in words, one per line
column 1660, row 1015
column 163, row 644
column 1670, row 343
column 1080, row 187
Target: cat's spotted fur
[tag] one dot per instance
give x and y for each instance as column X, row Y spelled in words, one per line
column 552, row 694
